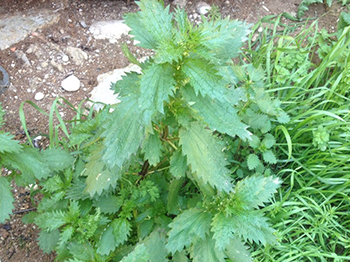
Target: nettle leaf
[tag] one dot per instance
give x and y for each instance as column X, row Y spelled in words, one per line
column 173, row 204
column 129, row 85
column 254, row 191
column 100, row 177
column 155, row 245
column 157, row 84
column 253, row 226
column 107, row 242
column 205, row 156
column 224, row 37
column 269, row 141
column 168, row 52
column 56, row 160
column 50, row 221
column 253, row 161
column 139, row 254
column 178, row 164
column 269, row 157
column 83, row 251
column 6, row 199
column 152, row 148
column 238, row 252
column 124, row 132
column 8, row 145
column 48, row 240
column 121, row 230
column 254, row 142
column 220, row 116
column 108, row 204
column 186, row 227
column 223, row 231
column 203, row 78
column 205, row 250
column 152, row 24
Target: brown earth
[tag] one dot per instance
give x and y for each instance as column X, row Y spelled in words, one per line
column 17, row 241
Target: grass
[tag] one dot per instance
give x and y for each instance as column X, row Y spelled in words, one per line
column 311, row 212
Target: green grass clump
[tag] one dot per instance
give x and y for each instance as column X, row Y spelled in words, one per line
column 309, row 73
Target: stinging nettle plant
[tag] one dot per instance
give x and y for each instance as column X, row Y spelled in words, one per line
column 153, row 180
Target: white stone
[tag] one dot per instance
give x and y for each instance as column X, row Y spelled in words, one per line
column 76, row 54
column 111, row 30
column 65, row 58
column 102, row 92
column 39, row 96
column 71, row 83
column 203, row 8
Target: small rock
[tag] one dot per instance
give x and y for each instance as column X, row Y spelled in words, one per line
column 203, row 8
column 58, row 66
column 83, row 24
column 44, row 64
column 65, row 58
column 71, row 83
column 111, row 30
column 39, row 96
column 77, row 55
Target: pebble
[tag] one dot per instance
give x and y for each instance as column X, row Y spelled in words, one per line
column 65, row 58
column 77, row 55
column 39, row 96
column 71, row 83
column 203, row 8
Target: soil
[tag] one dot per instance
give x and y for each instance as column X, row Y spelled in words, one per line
column 17, row 240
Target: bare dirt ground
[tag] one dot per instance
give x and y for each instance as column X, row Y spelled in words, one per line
column 17, row 241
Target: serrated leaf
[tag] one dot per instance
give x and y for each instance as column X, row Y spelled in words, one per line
column 173, row 196
column 76, row 190
column 66, row 235
column 254, row 142
column 50, row 221
column 56, row 160
column 121, row 230
column 254, row 191
column 178, row 164
column 253, row 161
column 152, row 148
column 124, row 132
column 238, row 252
column 223, row 231
column 108, row 204
column 139, row 254
column 83, row 251
column 129, row 85
column 48, row 240
column 6, row 200
column 220, row 116
column 99, row 176
column 157, row 84
column 223, row 37
column 155, row 245
column 8, row 145
column 205, row 156
column 107, row 242
column 168, row 52
column 269, row 141
column 150, row 25
column 203, row 78
column 180, row 257
column 269, row 157
column 190, row 224
column 253, row 226
column 204, row 250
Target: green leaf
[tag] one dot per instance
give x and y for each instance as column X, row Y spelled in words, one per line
column 220, row 116
column 205, row 156
column 152, row 148
column 66, row 235
column 50, row 221
column 253, row 161
column 254, row 142
column 48, row 240
column 157, row 84
column 254, row 191
column 222, row 229
column 83, row 251
column 269, row 157
column 108, row 204
column 238, row 252
column 186, row 227
column 129, row 85
column 180, row 257
column 6, row 200
column 56, row 160
column 139, row 254
column 203, row 78
column 178, row 164
column 8, row 145
column 99, row 176
column 173, row 196
column 124, row 132
column 150, row 25
column 269, row 141
column 204, row 250
column 155, row 245
column 121, row 230
column 223, row 37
